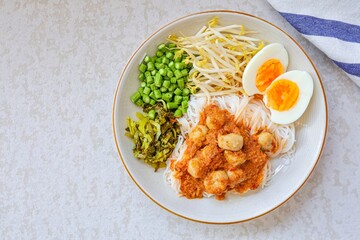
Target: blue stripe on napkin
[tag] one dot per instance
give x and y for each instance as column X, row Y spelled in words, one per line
column 323, row 27
column 351, row 68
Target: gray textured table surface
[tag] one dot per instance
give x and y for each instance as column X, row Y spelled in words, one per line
column 60, row 174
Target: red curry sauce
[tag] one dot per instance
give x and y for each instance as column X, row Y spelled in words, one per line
column 213, row 159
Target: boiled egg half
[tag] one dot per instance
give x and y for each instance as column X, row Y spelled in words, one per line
column 269, row 63
column 288, row 96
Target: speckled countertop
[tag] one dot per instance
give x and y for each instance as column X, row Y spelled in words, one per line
column 60, row 174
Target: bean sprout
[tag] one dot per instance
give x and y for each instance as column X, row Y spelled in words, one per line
column 219, row 55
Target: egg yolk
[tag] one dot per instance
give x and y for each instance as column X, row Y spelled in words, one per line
column 282, row 95
column 267, row 72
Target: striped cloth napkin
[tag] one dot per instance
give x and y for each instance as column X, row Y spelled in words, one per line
column 331, row 25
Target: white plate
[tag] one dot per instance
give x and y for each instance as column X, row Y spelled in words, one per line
column 310, row 133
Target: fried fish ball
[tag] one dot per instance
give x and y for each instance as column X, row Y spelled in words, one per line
column 198, row 134
column 196, row 167
column 216, row 182
column 209, row 152
column 236, row 176
column 265, row 139
column 231, row 141
column 235, row 158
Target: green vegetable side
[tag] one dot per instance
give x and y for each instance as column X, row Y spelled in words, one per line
column 154, row 137
column 163, row 95
column 163, row 79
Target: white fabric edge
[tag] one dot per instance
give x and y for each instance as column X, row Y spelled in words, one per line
column 345, row 11
column 335, row 48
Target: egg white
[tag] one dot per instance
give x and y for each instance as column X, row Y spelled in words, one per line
column 271, row 51
column 306, row 86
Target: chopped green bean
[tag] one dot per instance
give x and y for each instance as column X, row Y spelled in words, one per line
column 142, row 68
column 136, row 96
column 141, row 76
column 153, row 87
column 186, row 98
column 152, row 102
column 173, row 80
column 157, row 93
column 178, row 65
column 159, row 53
column 158, row 80
column 185, row 104
column 162, row 72
column 146, row 98
column 169, row 73
column 178, row 91
column 184, row 72
column 181, row 83
column 139, row 102
column 147, row 73
column 172, row 65
column 166, row 84
column 147, row 59
column 177, row 73
column 146, row 90
column 159, row 66
column 162, row 47
column 172, row 87
column 172, row 105
column 150, row 66
column 149, row 80
column 169, row 55
column 186, row 92
column 152, row 95
column 166, row 96
column 178, row 99
column 165, row 60
column 178, row 113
